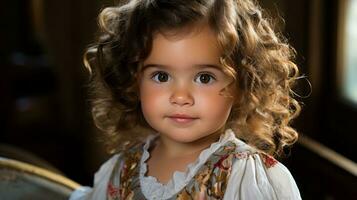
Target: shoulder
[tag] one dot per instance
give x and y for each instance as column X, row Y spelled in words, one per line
column 101, row 178
column 257, row 175
column 279, row 178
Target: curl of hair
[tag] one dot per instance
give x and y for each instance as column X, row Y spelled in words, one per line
column 258, row 59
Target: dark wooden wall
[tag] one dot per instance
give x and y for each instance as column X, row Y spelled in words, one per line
column 43, row 83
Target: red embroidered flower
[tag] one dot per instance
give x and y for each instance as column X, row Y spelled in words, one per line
column 241, row 155
column 112, row 190
column 219, row 163
column 269, row 161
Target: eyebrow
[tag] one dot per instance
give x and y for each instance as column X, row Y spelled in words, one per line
column 200, row 66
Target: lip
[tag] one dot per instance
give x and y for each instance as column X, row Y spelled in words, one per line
column 182, row 118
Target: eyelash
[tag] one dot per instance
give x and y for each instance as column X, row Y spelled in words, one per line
column 211, row 76
column 155, row 77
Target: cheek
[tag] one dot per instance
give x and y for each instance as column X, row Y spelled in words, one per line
column 214, row 105
column 150, row 98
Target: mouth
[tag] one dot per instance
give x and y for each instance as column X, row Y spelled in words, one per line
column 182, row 118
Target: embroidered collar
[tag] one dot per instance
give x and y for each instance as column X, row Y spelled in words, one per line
column 152, row 187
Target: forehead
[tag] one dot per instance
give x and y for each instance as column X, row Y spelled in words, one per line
column 197, row 45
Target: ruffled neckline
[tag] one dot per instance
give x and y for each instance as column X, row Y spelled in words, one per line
column 151, row 187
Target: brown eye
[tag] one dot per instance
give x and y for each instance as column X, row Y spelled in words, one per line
column 205, row 78
column 161, row 77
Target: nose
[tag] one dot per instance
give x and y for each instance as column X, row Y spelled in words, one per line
column 182, row 96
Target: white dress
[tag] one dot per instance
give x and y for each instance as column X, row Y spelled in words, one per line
column 249, row 179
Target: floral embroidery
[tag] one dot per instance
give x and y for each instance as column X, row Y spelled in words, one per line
column 128, row 172
column 219, row 164
column 241, row 155
column 269, row 161
column 210, row 181
column 112, row 191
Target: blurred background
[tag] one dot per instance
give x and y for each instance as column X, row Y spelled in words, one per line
column 45, row 115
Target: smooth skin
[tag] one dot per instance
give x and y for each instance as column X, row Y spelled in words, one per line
column 181, row 93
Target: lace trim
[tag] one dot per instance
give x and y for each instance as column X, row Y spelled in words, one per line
column 152, row 187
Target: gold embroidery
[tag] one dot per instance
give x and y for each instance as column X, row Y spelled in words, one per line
column 127, row 174
column 210, row 182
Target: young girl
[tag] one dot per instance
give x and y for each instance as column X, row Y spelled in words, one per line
column 194, row 96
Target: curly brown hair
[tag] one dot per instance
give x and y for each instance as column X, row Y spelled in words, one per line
column 259, row 60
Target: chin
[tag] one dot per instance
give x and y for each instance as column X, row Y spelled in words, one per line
column 185, row 137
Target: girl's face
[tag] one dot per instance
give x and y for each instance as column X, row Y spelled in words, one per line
column 181, row 86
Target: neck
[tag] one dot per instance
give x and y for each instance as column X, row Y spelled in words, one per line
column 174, row 149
